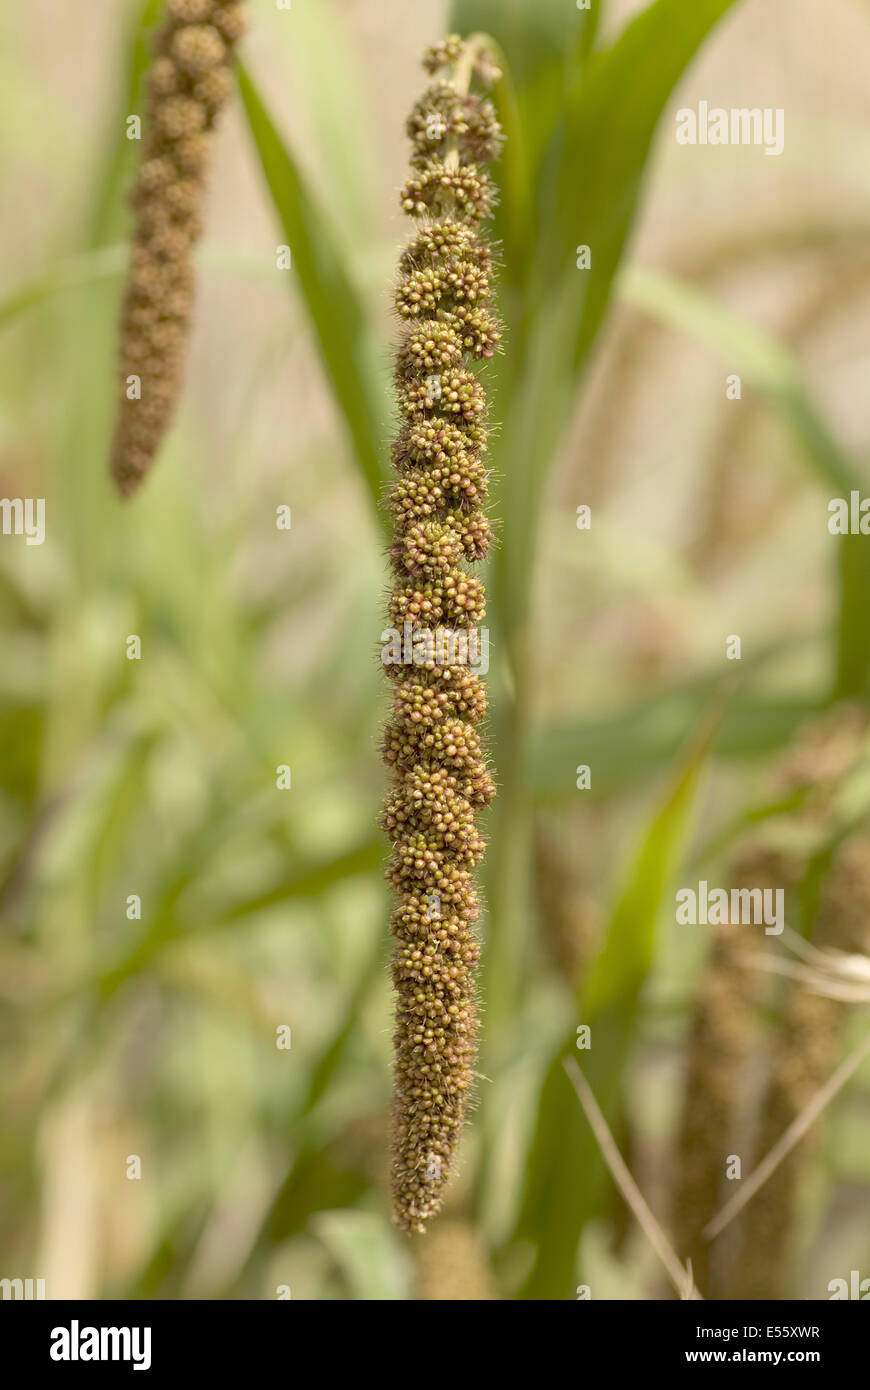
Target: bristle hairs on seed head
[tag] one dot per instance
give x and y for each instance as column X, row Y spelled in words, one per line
column 432, row 742
column 189, row 82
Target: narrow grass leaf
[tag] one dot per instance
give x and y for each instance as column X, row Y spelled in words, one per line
column 565, row 1174
column 366, row 1253
column 772, row 370
column 348, row 349
column 108, row 215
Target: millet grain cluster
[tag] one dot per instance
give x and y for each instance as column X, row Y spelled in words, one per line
column 190, row 81
column 432, row 743
column 727, row 1058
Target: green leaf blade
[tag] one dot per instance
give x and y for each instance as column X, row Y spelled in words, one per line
column 341, row 325
column 565, row 1174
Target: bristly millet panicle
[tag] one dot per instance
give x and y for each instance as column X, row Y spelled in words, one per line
column 432, row 742
column 190, row 80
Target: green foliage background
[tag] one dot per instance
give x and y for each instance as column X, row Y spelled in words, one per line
column 259, row 908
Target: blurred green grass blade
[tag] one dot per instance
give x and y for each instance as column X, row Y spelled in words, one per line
column 599, row 161
column 543, row 45
column 24, row 671
column 110, row 263
column 513, row 225
column 635, row 742
column 87, row 319
column 325, row 72
column 749, row 818
column 103, row 263
column 771, row 369
column 367, row 1254
column 531, row 35
column 310, row 884
column 539, row 49
column 321, row 1179
column 165, row 924
column 348, row 350
column 108, row 212
column 625, row 960
column 165, row 1269
column 761, row 361
column 848, row 816
column 589, row 194
column 586, row 191
column 853, row 639
column 564, row 1173
column 764, row 363
column 85, row 506
column 333, row 1055
column 316, row 1179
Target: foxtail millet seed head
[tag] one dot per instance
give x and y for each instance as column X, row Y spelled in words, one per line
column 752, row 1258
column 719, row 1055
column 189, row 82
column 805, row 1052
column 452, row 1266
column 441, row 780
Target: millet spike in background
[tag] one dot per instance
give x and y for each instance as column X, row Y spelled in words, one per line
column 432, row 742
column 190, row 81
